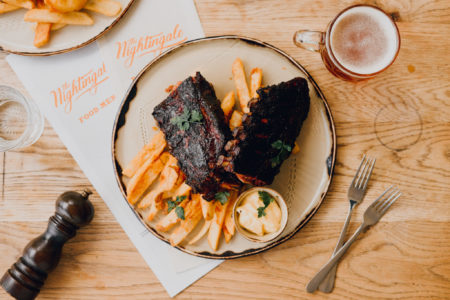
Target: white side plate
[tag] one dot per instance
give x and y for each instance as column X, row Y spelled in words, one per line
column 17, row 36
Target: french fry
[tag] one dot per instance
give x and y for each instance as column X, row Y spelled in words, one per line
column 235, row 120
column 228, row 224
column 180, row 180
column 296, row 149
column 153, row 210
column 108, row 8
column 57, row 26
column 143, row 178
column 255, row 82
column 181, row 190
column 207, row 207
column 64, row 6
column 5, row 7
column 193, row 215
column 54, row 27
column 28, row 4
column 241, row 84
column 47, row 16
column 227, row 104
column 201, row 233
column 216, row 225
column 149, row 151
column 42, row 34
column 150, row 201
column 171, row 219
column 226, row 235
column 167, row 180
column 42, row 30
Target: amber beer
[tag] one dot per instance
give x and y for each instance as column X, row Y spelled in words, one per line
column 359, row 43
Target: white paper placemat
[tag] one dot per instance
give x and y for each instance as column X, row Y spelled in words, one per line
column 79, row 93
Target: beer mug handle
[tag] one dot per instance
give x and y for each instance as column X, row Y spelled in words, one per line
column 309, row 40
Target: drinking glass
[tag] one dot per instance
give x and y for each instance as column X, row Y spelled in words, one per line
column 325, row 42
column 21, row 122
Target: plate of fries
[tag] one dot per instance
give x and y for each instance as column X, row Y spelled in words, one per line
column 149, row 176
column 47, row 27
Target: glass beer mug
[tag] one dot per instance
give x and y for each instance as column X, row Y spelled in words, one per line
column 359, row 43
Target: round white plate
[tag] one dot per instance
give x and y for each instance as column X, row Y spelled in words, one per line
column 304, row 178
column 17, row 36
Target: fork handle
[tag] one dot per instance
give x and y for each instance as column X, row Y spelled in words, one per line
column 328, row 283
column 317, row 279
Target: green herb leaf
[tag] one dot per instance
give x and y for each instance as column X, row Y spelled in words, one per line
column 277, row 144
column 180, row 122
column 261, row 212
column 184, row 125
column 171, row 205
column 266, row 198
column 275, row 161
column 284, row 152
column 180, row 199
column 196, row 116
column 222, row 197
column 180, row 212
column 183, row 121
column 186, row 113
column 174, row 121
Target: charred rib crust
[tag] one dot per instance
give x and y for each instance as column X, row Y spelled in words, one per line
column 278, row 114
column 198, row 148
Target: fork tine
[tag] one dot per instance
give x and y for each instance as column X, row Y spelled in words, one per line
column 379, row 199
column 369, row 173
column 388, row 200
column 360, row 171
column 386, row 197
column 357, row 171
column 362, row 174
column 390, row 203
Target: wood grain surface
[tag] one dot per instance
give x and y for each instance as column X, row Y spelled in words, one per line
column 402, row 117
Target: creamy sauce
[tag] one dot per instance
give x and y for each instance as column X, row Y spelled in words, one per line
column 248, row 215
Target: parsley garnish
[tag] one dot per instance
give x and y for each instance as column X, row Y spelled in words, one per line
column 172, row 204
column 266, row 199
column 283, row 153
column 222, row 197
column 184, row 120
column 180, row 212
column 196, row 116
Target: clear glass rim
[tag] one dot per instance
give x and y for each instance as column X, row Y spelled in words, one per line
column 32, row 131
column 335, row 60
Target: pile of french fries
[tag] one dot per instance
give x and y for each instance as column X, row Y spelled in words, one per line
column 245, row 94
column 51, row 15
column 154, row 179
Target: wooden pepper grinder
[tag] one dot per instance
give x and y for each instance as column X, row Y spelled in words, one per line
column 25, row 278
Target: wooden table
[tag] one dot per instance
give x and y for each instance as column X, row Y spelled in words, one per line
column 406, row 255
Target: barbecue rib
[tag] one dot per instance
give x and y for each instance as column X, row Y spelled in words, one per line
column 196, row 132
column 268, row 132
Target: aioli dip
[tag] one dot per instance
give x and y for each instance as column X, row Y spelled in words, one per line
column 259, row 213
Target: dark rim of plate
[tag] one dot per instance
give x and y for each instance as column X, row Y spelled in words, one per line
column 120, row 121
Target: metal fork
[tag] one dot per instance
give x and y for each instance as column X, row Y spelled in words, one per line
column 371, row 216
column 355, row 195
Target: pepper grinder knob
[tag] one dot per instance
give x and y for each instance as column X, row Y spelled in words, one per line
column 25, row 278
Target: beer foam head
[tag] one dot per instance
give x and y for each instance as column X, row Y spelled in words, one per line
column 364, row 40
